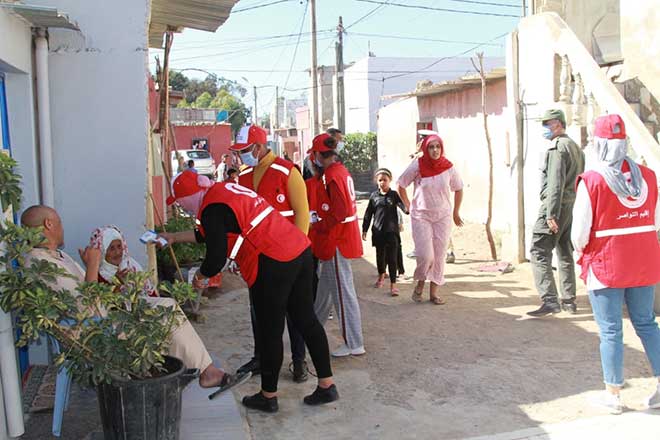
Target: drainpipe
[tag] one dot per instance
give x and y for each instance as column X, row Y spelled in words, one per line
column 43, row 107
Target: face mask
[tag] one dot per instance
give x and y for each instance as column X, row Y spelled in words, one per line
column 317, row 163
column 547, row 132
column 340, row 146
column 249, row 160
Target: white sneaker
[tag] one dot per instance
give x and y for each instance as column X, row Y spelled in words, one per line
column 653, row 402
column 344, row 351
column 608, row 401
column 412, row 254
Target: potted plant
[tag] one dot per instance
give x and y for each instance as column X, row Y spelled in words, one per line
column 187, row 254
column 110, row 337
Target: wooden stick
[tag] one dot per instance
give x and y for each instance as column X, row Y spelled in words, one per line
column 162, row 224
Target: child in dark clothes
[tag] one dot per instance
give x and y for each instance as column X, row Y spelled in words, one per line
column 382, row 208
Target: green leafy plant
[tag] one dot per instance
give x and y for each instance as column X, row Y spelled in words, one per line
column 186, row 253
column 107, row 331
column 360, row 152
column 10, row 182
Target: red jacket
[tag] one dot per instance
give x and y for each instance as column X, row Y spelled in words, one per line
column 623, row 249
column 274, row 185
column 262, row 229
column 338, row 227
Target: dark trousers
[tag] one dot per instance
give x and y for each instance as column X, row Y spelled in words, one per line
column 386, row 257
column 399, row 258
column 543, row 244
column 281, row 289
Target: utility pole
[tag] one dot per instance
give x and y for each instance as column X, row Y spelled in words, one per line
column 339, row 69
column 315, row 79
column 255, row 120
column 277, row 108
column 524, row 8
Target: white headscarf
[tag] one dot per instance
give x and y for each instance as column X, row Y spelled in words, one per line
column 611, row 153
column 101, row 239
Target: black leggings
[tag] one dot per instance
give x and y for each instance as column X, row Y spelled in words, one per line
column 387, row 250
column 283, row 288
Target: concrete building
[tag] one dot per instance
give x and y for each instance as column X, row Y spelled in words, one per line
column 371, row 78
column 67, row 71
column 453, row 109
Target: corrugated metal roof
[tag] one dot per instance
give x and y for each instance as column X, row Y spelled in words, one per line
column 41, row 16
column 205, row 15
column 449, row 86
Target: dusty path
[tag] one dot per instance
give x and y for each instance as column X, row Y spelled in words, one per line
column 473, row 367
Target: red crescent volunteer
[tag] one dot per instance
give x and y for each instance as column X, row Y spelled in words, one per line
column 337, row 240
column 239, row 227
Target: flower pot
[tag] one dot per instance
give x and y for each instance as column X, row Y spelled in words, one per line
column 148, row 409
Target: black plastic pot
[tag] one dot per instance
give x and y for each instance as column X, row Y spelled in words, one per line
column 147, row 409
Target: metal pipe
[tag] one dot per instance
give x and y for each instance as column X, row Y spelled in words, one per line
column 43, row 116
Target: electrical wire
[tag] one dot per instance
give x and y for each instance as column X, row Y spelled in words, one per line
column 429, row 8
column 295, row 51
column 367, row 15
column 402, row 37
column 475, row 2
column 250, row 8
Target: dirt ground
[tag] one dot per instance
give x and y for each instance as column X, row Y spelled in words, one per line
column 474, row 367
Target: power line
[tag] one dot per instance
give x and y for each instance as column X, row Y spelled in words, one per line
column 446, row 58
column 474, row 2
column 429, row 8
column 295, row 51
column 402, row 37
column 367, row 15
column 250, row 8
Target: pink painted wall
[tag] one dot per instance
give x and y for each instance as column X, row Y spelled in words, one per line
column 463, row 103
column 219, row 136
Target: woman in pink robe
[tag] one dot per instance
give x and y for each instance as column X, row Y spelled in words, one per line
column 431, row 212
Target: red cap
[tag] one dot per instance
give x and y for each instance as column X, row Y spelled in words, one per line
column 184, row 185
column 249, row 135
column 320, row 143
column 610, row 127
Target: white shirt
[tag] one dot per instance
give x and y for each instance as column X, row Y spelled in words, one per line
column 581, row 228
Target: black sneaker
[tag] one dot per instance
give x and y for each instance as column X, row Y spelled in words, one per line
column 253, row 366
column 545, row 309
column 322, row 395
column 299, row 371
column 260, row 402
column 569, row 307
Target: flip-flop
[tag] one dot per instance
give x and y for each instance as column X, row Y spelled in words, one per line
column 438, row 301
column 417, row 295
column 394, row 291
column 230, row 381
column 378, row 284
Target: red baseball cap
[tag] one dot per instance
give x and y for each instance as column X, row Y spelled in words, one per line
column 322, row 143
column 610, row 127
column 249, row 135
column 184, row 185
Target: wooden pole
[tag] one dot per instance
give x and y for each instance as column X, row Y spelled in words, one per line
column 489, row 233
column 160, row 219
column 315, row 78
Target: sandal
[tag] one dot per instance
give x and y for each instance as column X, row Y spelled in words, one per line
column 378, row 284
column 229, row 381
column 394, row 291
column 417, row 295
column 436, row 300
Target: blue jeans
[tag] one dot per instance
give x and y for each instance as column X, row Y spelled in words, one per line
column 607, row 305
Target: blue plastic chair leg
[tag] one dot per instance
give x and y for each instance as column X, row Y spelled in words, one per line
column 62, row 389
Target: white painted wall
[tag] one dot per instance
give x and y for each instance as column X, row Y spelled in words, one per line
column 364, row 83
column 16, row 64
column 397, row 133
column 98, row 83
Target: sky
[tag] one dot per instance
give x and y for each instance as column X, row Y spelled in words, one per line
column 262, row 47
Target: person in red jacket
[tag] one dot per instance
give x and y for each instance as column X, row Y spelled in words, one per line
column 281, row 184
column 337, row 234
column 615, row 223
column 242, row 232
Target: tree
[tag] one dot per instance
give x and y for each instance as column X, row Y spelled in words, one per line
column 203, row 101
column 264, row 121
column 360, row 151
column 196, row 88
column 178, row 81
column 238, row 113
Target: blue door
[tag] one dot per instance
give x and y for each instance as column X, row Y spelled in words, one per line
column 4, row 120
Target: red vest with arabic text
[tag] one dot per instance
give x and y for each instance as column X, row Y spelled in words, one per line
column 345, row 235
column 623, row 249
column 274, row 186
column 262, row 228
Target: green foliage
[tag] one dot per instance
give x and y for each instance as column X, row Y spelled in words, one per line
column 360, row 152
column 128, row 343
column 178, row 81
column 10, row 183
column 203, row 101
column 186, row 253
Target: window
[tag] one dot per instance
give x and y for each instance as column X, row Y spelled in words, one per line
column 198, row 154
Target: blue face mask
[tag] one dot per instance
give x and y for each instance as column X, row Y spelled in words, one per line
column 248, row 159
column 547, row 132
column 317, row 163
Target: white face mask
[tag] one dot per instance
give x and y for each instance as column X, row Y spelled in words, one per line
column 340, row 145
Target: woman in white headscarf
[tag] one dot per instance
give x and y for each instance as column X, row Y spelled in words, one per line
column 615, row 223
column 116, row 262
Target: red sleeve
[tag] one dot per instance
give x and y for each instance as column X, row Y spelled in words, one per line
column 338, row 208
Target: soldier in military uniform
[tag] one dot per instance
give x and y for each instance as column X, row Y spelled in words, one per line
column 564, row 161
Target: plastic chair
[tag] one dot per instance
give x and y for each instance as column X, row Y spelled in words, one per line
column 62, row 392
